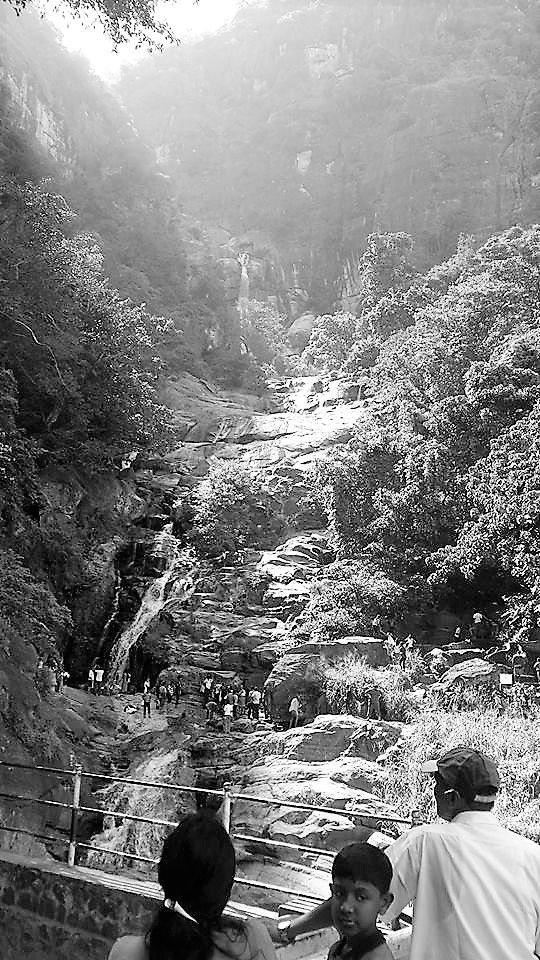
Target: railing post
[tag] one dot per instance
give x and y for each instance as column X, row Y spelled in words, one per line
column 77, row 778
column 227, row 806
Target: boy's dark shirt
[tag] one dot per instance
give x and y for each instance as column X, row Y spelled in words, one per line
column 356, row 947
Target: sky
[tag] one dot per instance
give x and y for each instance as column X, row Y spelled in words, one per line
column 188, row 20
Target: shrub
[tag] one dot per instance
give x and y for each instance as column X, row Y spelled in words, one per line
column 233, row 508
column 347, row 681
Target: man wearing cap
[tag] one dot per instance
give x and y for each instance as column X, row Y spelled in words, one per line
column 475, row 885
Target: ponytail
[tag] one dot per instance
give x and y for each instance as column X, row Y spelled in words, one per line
column 173, row 937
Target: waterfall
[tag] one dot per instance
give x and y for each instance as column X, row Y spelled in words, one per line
column 243, row 293
column 112, row 616
column 166, row 548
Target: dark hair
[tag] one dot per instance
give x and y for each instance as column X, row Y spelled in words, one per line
column 362, row 861
column 196, row 871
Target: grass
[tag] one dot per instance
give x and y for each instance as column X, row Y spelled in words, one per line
column 348, row 680
column 512, row 740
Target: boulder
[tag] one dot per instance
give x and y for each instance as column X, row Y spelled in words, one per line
column 471, row 672
column 329, row 737
column 300, row 674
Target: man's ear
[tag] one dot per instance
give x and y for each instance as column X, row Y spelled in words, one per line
column 386, row 900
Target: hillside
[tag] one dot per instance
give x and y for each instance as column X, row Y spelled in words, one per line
column 311, row 125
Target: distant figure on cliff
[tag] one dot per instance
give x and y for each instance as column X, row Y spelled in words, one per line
column 294, row 710
column 126, row 680
column 146, row 685
column 196, row 872
column 91, row 680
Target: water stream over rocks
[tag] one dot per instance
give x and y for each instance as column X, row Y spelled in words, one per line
column 235, row 621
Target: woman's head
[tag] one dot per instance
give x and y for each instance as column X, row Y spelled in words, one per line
column 197, row 867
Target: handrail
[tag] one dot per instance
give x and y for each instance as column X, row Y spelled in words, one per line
column 76, row 775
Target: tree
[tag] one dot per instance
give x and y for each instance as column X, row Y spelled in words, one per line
column 123, row 20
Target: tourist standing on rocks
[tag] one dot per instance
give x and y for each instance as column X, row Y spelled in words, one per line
column 475, row 884
column 268, row 703
column 91, row 679
column 227, row 717
column 98, row 674
column 242, row 701
column 294, row 709
column 256, row 698
column 212, row 708
column 126, row 680
column 147, row 699
column 196, row 872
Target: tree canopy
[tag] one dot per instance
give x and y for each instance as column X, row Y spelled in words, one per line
column 123, row 20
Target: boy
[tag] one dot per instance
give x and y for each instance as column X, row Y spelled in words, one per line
column 361, row 876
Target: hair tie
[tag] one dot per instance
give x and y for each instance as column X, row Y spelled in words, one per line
column 176, row 908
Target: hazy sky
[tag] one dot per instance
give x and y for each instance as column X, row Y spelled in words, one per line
column 186, row 18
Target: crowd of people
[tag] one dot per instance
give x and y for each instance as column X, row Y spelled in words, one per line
column 232, row 701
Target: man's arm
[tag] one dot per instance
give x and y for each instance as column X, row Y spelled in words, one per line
column 316, row 919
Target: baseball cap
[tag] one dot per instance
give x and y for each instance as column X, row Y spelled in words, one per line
column 471, row 773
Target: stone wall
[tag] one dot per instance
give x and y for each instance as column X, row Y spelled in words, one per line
column 49, row 910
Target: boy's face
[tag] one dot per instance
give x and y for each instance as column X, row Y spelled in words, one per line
column 355, row 906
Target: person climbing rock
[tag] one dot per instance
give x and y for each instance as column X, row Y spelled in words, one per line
column 294, row 709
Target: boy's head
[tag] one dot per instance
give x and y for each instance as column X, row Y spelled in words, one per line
column 361, row 876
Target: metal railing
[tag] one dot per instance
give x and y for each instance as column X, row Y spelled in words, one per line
column 76, row 774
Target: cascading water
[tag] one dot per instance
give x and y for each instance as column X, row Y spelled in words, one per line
column 166, row 550
column 113, row 614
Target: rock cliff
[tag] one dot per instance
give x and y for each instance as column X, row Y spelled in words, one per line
column 327, row 121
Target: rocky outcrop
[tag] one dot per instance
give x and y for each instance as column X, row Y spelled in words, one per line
column 300, row 671
column 476, row 672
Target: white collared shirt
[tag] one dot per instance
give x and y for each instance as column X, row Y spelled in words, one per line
column 475, row 887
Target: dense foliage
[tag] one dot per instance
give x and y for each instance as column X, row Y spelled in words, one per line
column 60, row 122
column 441, row 480
column 233, row 508
column 123, row 21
